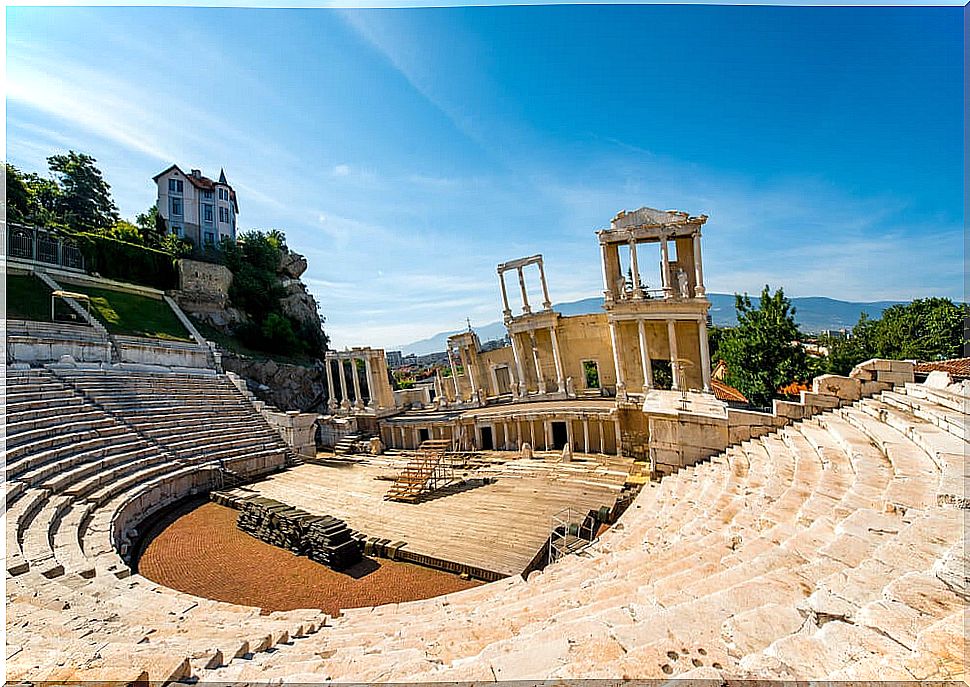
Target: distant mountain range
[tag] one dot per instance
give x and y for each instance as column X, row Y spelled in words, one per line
column 813, row 314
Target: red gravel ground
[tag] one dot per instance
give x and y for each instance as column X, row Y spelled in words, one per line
column 203, row 553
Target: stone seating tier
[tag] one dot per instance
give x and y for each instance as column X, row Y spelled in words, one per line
column 831, row 549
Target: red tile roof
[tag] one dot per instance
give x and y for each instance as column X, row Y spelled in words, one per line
column 958, row 368
column 727, row 393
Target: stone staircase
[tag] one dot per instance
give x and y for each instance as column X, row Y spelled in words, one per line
column 347, row 445
column 79, row 479
column 831, row 549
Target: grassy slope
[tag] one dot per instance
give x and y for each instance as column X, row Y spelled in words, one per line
column 134, row 315
column 28, row 298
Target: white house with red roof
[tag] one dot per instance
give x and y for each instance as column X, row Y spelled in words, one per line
column 196, row 207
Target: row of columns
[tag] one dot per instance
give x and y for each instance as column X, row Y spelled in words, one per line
column 340, row 358
column 547, row 433
column 467, row 364
column 399, row 433
column 518, row 267
column 540, row 379
column 646, row 367
column 665, row 274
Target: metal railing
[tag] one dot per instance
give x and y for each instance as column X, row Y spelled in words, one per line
column 43, row 246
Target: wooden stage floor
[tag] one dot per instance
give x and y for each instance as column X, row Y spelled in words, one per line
column 498, row 527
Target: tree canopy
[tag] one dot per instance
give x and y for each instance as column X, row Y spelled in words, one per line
column 926, row 329
column 85, row 200
column 761, row 352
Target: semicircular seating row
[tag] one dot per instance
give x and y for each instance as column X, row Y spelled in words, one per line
column 89, row 455
column 831, row 549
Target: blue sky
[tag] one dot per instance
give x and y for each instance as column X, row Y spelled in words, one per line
column 407, row 152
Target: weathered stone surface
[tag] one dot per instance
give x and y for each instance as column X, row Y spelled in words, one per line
column 292, row 264
column 760, row 563
column 284, row 385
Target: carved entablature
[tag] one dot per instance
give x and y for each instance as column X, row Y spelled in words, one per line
column 648, row 224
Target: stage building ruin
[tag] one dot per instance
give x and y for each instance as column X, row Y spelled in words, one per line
column 588, row 380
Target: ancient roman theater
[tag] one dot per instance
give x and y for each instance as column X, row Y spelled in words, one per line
column 546, row 509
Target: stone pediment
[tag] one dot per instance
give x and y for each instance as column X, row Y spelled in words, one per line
column 648, row 217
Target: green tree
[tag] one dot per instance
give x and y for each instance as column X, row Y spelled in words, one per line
column 31, row 199
column 926, row 329
column 761, row 351
column 18, row 203
column 253, row 261
column 151, row 226
column 715, row 335
column 85, row 202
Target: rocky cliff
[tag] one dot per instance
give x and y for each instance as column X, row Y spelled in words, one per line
column 284, row 385
column 204, row 292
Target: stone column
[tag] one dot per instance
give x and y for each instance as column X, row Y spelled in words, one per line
column 525, row 296
column 470, row 372
column 343, row 382
column 547, row 304
column 507, row 311
column 547, row 434
column 560, row 384
column 665, row 266
column 369, row 375
column 619, row 438
column 698, row 267
column 602, row 437
column 705, row 353
column 607, row 286
column 585, row 435
column 517, row 354
column 535, row 360
column 332, row 401
column 674, row 365
column 358, row 402
column 635, row 269
column 645, row 357
column 494, row 377
column 617, row 362
column 532, row 433
column 454, row 375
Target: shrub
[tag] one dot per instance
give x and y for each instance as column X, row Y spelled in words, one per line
column 124, row 261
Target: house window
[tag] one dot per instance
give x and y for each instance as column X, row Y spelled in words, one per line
column 223, row 214
column 207, row 195
column 175, row 185
column 178, row 231
column 207, row 214
column 177, row 207
column 209, row 238
column 222, row 194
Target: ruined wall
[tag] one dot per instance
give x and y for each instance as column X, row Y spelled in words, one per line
column 634, row 433
column 498, row 357
column 203, row 292
column 658, row 347
column 586, row 337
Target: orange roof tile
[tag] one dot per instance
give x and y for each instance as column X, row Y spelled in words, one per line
column 725, row 392
column 956, row 367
